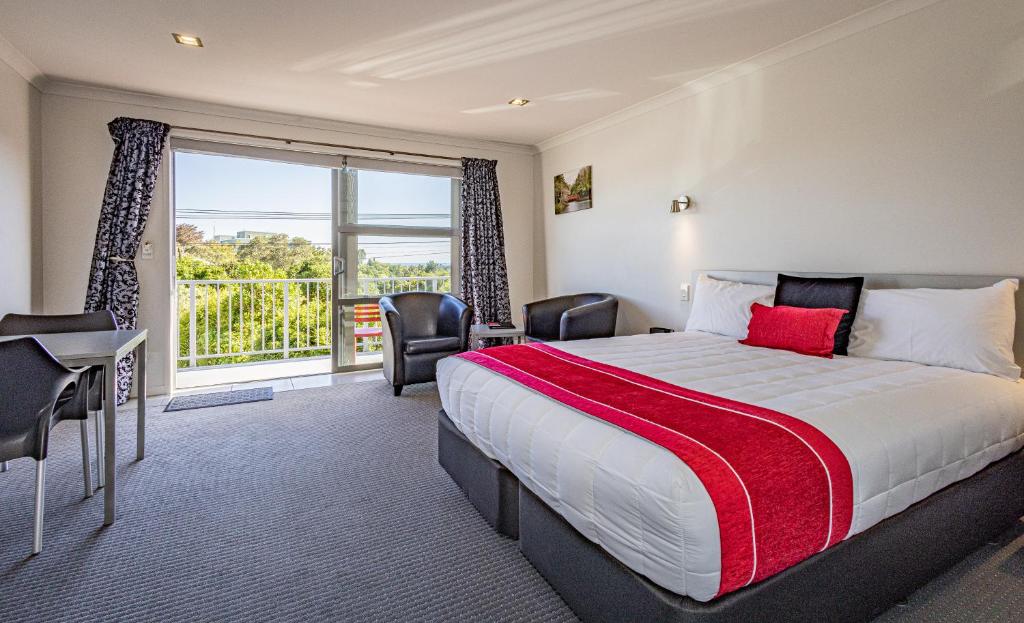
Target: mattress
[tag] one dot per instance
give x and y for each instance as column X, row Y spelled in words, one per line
column 907, row 430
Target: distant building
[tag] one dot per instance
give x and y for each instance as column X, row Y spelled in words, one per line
column 248, row 235
column 243, row 237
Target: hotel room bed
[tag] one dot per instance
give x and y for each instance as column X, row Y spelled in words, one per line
column 908, row 431
column 604, row 510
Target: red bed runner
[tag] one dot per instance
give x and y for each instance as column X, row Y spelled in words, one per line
column 782, row 490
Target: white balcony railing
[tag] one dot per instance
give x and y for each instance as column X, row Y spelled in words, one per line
column 372, row 286
column 236, row 321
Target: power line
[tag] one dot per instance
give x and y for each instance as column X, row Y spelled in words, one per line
column 313, row 213
column 368, row 244
column 392, row 257
column 200, row 214
column 214, row 243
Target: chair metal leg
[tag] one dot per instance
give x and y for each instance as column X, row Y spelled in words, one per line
column 37, row 526
column 86, row 465
column 4, row 466
column 100, row 476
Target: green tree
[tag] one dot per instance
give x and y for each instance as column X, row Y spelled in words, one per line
column 212, row 253
column 187, row 234
column 232, row 317
column 187, row 237
column 194, row 268
column 252, row 269
column 281, row 252
column 314, row 268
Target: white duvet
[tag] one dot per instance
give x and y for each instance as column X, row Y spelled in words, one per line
column 907, row 430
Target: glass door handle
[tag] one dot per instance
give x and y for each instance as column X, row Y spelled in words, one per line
column 339, row 266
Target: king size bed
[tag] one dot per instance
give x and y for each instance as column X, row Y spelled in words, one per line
column 627, row 529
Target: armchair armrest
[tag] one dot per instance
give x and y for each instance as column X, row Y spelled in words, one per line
column 589, row 321
column 390, row 319
column 541, row 318
column 455, row 318
column 465, row 322
column 391, row 322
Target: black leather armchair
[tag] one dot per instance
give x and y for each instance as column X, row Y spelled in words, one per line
column 421, row 328
column 572, row 317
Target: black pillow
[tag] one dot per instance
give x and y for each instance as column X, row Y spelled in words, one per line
column 819, row 292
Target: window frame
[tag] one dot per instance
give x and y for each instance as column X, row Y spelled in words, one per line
column 337, row 163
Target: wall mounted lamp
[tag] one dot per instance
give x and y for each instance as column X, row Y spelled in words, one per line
column 189, row 40
column 680, row 204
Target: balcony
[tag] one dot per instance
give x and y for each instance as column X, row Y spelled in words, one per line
column 282, row 326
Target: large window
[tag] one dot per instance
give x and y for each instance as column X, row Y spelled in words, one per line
column 398, row 229
column 282, row 255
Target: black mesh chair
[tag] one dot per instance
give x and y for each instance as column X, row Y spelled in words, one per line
column 35, row 324
column 421, row 328
column 36, row 392
column 572, row 317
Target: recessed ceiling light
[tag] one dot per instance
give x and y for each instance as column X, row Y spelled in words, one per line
column 190, row 40
column 519, row 101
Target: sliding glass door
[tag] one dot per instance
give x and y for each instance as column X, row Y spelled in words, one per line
column 283, row 255
column 395, row 231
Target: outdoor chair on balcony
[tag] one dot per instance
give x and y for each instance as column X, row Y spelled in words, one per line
column 572, row 317
column 421, row 328
column 368, row 314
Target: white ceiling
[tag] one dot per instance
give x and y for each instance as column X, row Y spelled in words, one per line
column 441, row 66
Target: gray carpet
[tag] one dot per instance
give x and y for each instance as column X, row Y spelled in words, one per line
column 324, row 504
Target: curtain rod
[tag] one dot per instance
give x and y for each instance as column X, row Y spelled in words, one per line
column 290, row 141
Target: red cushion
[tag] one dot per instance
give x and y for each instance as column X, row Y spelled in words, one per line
column 799, row 329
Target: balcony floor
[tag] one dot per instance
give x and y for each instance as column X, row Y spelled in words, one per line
column 226, row 376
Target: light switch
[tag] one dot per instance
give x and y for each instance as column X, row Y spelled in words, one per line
column 684, row 292
column 146, row 252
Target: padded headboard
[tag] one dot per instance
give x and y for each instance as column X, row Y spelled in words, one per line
column 881, row 282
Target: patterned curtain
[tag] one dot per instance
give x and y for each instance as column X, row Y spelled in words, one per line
column 484, row 276
column 113, row 281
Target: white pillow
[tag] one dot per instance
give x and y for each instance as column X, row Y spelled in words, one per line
column 723, row 307
column 966, row 329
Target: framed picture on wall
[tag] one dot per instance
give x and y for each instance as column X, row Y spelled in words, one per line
column 572, row 191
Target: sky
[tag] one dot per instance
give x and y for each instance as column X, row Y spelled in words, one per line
column 208, row 189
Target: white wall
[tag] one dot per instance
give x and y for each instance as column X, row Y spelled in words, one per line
column 896, row 149
column 19, row 191
column 77, row 151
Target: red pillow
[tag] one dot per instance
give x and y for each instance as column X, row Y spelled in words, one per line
column 799, row 329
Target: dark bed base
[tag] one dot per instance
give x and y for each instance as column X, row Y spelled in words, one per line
column 491, row 488
column 853, row 581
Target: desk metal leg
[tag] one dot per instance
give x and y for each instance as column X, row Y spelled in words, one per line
column 140, row 386
column 86, row 462
column 109, row 439
column 101, row 478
